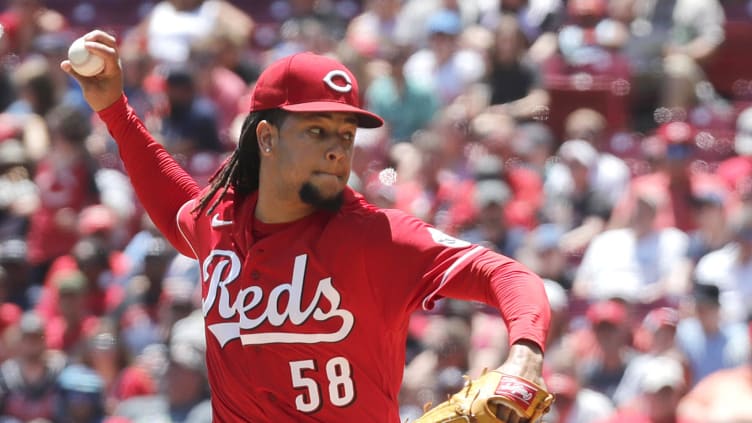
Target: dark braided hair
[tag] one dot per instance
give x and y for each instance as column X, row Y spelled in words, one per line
column 241, row 170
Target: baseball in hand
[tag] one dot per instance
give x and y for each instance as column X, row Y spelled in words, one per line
column 83, row 62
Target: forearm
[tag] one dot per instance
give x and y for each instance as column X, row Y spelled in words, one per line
column 529, row 105
column 513, row 289
column 701, row 49
column 160, row 183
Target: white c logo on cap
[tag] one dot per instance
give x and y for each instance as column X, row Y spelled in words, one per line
column 329, row 80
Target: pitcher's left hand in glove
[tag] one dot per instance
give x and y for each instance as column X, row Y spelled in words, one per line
column 490, row 398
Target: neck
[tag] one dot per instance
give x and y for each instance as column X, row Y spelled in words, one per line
column 272, row 207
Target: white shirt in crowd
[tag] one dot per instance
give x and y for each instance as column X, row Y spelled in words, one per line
column 733, row 278
column 617, row 257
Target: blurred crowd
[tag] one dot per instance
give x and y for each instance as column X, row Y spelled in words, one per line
column 605, row 144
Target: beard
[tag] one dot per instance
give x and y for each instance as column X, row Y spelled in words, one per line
column 309, row 194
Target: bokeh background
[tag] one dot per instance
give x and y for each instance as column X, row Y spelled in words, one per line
column 605, row 144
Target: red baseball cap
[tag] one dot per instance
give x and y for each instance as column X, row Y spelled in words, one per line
column 307, row 82
column 607, row 311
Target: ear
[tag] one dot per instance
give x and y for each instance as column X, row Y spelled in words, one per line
column 267, row 135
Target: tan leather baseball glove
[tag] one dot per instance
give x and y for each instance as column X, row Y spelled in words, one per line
column 477, row 402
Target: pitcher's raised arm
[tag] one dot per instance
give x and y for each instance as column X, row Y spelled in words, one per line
column 160, row 183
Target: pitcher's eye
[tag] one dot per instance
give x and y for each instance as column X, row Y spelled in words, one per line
column 316, row 131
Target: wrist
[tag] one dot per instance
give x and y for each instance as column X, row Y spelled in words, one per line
column 526, row 356
column 527, row 349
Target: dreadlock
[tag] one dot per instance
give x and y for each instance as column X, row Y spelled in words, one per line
column 241, row 170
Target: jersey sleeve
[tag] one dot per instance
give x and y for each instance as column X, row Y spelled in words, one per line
column 161, row 185
column 417, row 264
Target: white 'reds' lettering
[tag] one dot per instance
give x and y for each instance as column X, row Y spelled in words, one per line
column 274, row 313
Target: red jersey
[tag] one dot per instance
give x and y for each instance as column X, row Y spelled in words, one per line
column 309, row 322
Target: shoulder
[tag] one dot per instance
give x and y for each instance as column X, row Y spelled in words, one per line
column 722, row 257
column 390, row 226
column 357, row 213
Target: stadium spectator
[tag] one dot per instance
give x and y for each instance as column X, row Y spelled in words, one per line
column 190, row 123
column 657, row 337
column 730, row 269
column 589, row 42
column 542, row 252
column 183, row 395
column 641, row 262
column 67, row 330
column 559, row 301
column 582, row 189
column 721, row 396
column 575, row 403
column 218, row 82
column 374, row 27
column 28, row 381
column 142, row 316
column 604, row 367
column 93, row 259
column 661, row 388
column 65, row 178
column 489, row 226
column 539, row 20
column 713, row 227
column 411, row 23
column 674, row 181
column 10, row 316
column 495, row 133
column 447, row 68
column 24, row 21
column 534, row 144
column 515, row 83
column 122, row 376
column 709, row 343
column 173, row 25
column 17, row 190
column 81, row 395
column 406, row 103
column 16, row 269
column 736, row 171
column 438, row 370
column 696, row 32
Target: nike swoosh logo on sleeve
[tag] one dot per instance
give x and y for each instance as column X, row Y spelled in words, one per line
column 216, row 222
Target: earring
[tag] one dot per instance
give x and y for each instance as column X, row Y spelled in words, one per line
column 267, row 149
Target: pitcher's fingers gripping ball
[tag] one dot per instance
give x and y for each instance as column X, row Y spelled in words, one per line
column 84, row 62
column 492, row 398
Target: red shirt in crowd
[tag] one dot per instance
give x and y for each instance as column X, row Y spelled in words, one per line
column 66, row 188
column 99, row 299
